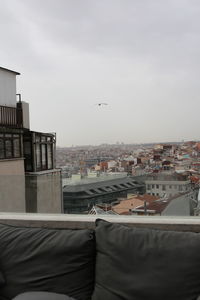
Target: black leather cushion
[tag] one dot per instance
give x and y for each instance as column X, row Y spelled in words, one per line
column 143, row 264
column 42, row 296
column 53, row 260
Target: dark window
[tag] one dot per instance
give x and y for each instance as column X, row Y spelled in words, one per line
column 44, row 152
column 28, row 154
column 16, row 147
column 49, row 156
column 38, row 157
column 43, row 139
column 180, row 188
column 2, row 152
column 44, row 158
column 8, row 147
column 27, row 148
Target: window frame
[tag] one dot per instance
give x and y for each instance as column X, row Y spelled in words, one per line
column 10, row 137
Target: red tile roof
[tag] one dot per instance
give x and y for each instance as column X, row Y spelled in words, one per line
column 125, row 205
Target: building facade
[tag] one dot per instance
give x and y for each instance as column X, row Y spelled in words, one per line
column 29, row 181
column 167, row 185
column 80, row 196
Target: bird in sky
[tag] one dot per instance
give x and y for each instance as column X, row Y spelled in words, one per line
column 102, row 103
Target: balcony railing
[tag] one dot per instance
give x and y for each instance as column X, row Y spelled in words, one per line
column 11, row 116
column 85, row 221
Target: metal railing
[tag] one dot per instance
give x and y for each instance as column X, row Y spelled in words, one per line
column 11, row 116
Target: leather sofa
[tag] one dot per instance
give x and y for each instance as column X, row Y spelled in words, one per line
column 112, row 262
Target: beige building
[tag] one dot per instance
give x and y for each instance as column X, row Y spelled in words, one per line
column 29, row 181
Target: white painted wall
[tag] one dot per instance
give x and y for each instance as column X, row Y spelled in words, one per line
column 7, row 88
column 25, row 111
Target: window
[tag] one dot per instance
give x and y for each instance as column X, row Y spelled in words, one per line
column 170, row 186
column 44, row 152
column 163, row 187
column 38, row 157
column 153, row 185
column 38, row 151
column 2, row 152
column 44, row 158
column 180, row 188
column 16, row 147
column 10, row 145
column 157, row 186
column 49, row 156
column 148, row 187
column 27, row 155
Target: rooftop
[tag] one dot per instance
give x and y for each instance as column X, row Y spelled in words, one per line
column 88, row 180
column 105, row 182
column 4, row 69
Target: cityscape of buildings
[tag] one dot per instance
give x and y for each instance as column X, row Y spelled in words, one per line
column 120, row 179
column 99, row 150
column 165, row 178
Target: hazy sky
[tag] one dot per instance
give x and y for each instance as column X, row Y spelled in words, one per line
column 142, row 57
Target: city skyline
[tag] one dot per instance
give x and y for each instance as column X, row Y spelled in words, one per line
column 139, row 57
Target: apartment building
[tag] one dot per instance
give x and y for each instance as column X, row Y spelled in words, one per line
column 29, row 181
column 164, row 185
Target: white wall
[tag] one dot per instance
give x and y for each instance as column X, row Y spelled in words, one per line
column 25, row 111
column 7, row 88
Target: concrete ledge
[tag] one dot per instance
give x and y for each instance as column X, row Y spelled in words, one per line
column 43, row 172
column 88, row 221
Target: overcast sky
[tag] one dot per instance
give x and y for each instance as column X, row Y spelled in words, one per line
column 142, row 57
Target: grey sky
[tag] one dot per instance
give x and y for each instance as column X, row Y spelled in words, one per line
column 142, row 57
